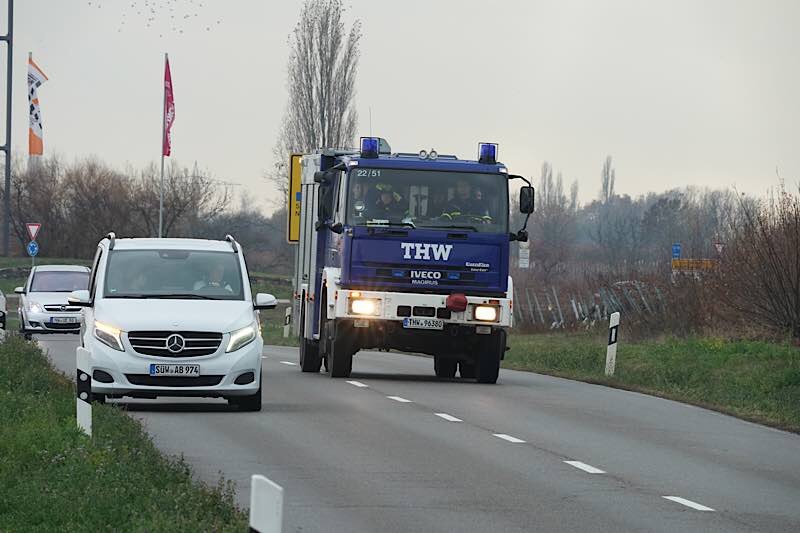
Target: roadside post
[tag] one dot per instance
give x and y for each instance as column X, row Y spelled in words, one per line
column 33, row 247
column 287, row 322
column 611, row 352
column 266, row 505
column 84, row 400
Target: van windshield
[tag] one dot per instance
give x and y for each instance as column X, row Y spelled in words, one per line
column 177, row 274
column 59, row 281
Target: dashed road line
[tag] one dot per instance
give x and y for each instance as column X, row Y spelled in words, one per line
column 688, row 503
column 358, row 384
column 586, row 468
column 399, row 399
column 449, row 418
column 288, row 363
column 509, row 438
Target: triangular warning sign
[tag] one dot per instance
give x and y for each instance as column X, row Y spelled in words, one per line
column 33, row 229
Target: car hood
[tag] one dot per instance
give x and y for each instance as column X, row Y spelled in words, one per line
column 48, row 298
column 220, row 316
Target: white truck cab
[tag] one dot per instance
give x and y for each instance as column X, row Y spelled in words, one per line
column 172, row 317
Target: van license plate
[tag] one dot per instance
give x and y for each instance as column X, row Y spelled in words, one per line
column 173, row 370
column 64, row 320
column 423, row 323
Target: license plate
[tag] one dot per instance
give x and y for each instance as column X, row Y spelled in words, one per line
column 423, row 323
column 64, row 320
column 173, row 370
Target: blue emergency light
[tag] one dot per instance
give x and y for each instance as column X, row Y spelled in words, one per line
column 487, row 153
column 370, row 147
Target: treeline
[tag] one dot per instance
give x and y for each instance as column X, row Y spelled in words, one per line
column 79, row 203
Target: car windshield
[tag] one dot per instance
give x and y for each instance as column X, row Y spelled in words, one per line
column 59, row 281
column 428, row 199
column 178, row 274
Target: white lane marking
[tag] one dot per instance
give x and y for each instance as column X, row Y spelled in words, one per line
column 288, row 363
column 509, row 438
column 358, row 384
column 263, row 357
column 399, row 399
column 449, row 418
column 586, row 468
column 688, row 503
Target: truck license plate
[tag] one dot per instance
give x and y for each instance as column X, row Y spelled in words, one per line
column 423, row 323
column 173, row 370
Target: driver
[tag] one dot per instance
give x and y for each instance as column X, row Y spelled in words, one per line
column 465, row 203
column 387, row 205
column 214, row 279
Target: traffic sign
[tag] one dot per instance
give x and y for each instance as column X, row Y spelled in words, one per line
column 33, row 248
column 676, row 250
column 33, row 229
column 295, row 196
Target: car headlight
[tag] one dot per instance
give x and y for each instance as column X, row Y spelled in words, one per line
column 486, row 313
column 241, row 337
column 364, row 306
column 108, row 335
column 36, row 307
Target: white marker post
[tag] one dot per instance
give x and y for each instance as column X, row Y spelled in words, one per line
column 266, row 505
column 84, row 400
column 287, row 322
column 611, row 353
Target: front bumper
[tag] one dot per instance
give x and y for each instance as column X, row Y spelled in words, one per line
column 43, row 322
column 129, row 371
column 395, row 306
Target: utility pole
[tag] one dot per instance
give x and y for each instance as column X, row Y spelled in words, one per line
column 8, row 38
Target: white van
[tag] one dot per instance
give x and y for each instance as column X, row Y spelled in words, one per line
column 172, row 317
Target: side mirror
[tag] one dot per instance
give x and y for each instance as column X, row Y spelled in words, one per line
column 80, row 298
column 526, row 199
column 20, row 290
column 265, row 301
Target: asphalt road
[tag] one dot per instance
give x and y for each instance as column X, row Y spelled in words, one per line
column 393, row 449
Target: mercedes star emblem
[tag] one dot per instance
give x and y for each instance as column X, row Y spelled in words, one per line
column 175, row 343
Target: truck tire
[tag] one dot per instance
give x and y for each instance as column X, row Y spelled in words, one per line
column 491, row 350
column 444, row 368
column 310, row 359
column 466, row 369
column 339, row 350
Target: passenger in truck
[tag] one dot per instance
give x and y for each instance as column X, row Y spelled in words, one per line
column 388, row 204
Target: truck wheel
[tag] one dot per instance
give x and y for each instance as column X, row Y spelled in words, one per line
column 340, row 353
column 466, row 369
column 310, row 361
column 444, row 368
column 491, row 350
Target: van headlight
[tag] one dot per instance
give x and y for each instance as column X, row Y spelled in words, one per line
column 486, row 313
column 242, row 337
column 108, row 335
column 36, row 307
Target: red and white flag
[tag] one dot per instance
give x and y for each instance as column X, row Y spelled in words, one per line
column 35, row 135
column 169, row 110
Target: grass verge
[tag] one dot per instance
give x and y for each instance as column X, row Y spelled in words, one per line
column 754, row 380
column 54, row 478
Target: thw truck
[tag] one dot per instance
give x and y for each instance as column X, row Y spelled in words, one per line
column 404, row 251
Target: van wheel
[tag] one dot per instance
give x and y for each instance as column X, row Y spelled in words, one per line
column 247, row 403
column 98, row 398
column 466, row 369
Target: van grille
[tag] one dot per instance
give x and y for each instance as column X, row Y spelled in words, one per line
column 195, row 343
column 57, row 308
column 173, row 381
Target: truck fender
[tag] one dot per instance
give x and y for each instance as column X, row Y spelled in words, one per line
column 331, row 278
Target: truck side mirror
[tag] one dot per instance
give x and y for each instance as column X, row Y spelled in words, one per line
column 526, row 199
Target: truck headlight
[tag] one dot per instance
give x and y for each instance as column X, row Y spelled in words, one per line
column 364, row 306
column 241, row 337
column 486, row 313
column 108, row 335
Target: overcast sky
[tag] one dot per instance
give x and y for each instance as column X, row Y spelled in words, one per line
column 680, row 93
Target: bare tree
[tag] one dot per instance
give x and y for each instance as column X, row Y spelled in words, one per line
column 322, row 69
column 607, row 177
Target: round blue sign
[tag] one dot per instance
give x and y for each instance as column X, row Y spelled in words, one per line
column 33, row 248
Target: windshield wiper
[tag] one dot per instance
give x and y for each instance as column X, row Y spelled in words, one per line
column 389, row 224
column 182, row 296
column 126, row 296
column 453, row 226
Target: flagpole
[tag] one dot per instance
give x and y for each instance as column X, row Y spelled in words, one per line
column 163, row 136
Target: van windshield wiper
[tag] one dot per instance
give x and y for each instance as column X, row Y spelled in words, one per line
column 182, row 296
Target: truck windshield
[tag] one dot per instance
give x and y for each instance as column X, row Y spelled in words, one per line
column 178, row 274
column 428, row 199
